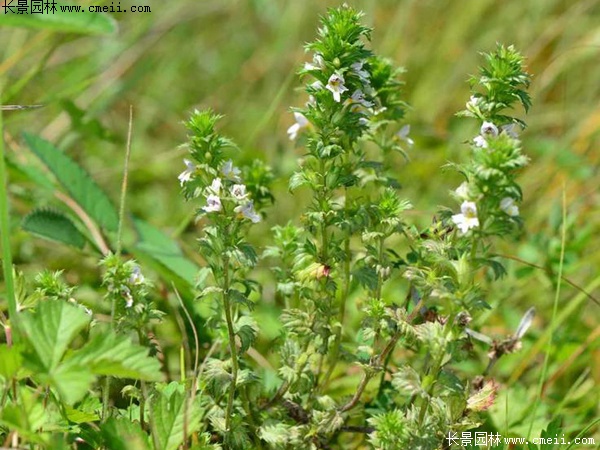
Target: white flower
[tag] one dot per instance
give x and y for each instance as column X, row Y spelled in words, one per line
column 301, row 123
column 186, row 175
column 507, row 204
column 473, row 101
column 238, row 191
column 230, row 172
column 247, row 210
column 335, row 84
column 213, row 204
column 359, row 98
column 136, row 276
column 363, row 121
column 488, row 129
column 215, row 187
column 363, row 75
column 467, row 219
column 403, row 134
column 510, row 129
column 480, row 142
column 463, row 191
column 317, row 64
column 128, row 297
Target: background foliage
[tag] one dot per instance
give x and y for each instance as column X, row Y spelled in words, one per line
column 240, row 58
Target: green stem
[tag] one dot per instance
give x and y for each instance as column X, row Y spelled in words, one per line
column 5, row 231
column 232, row 346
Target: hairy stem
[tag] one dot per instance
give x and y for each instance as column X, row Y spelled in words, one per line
column 232, row 346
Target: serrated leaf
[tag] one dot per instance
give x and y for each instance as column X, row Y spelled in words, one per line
column 171, row 409
column 76, row 181
column 121, row 434
column 53, row 225
column 50, row 329
column 246, row 328
column 276, row 434
column 114, row 355
column 407, row 381
column 68, row 21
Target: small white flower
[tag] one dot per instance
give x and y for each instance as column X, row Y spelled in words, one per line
column 213, row 204
column 335, row 84
column 473, row 101
column 403, row 134
column 358, row 97
column 488, row 129
column 136, row 275
column 128, row 297
column 463, row 191
column 301, row 123
column 480, row 142
column 507, row 204
column 238, row 191
column 186, row 175
column 467, row 219
column 215, row 187
column 317, row 85
column 230, row 172
column 510, row 129
column 363, row 121
column 247, row 210
column 363, row 75
column 317, row 64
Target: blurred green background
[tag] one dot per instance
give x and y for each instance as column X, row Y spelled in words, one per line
column 240, row 58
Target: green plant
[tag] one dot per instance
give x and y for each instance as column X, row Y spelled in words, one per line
column 401, row 371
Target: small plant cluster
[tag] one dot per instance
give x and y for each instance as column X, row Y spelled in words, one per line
column 391, row 380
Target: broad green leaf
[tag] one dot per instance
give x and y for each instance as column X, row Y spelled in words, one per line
column 10, row 361
column 170, row 409
column 76, row 181
column 66, row 18
column 70, row 381
column 160, row 247
column 49, row 330
column 122, row 434
column 53, row 225
column 110, row 354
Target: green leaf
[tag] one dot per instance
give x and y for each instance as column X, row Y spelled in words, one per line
column 122, row 434
column 73, row 21
column 10, row 361
column 110, row 354
column 164, row 250
column 171, row 409
column 50, row 329
column 76, row 181
column 53, row 225
column 247, row 329
column 70, row 381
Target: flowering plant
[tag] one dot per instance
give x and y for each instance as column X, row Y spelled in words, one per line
column 400, row 372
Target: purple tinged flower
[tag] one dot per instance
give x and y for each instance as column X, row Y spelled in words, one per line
column 186, row 175
column 335, row 84
column 301, row 123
